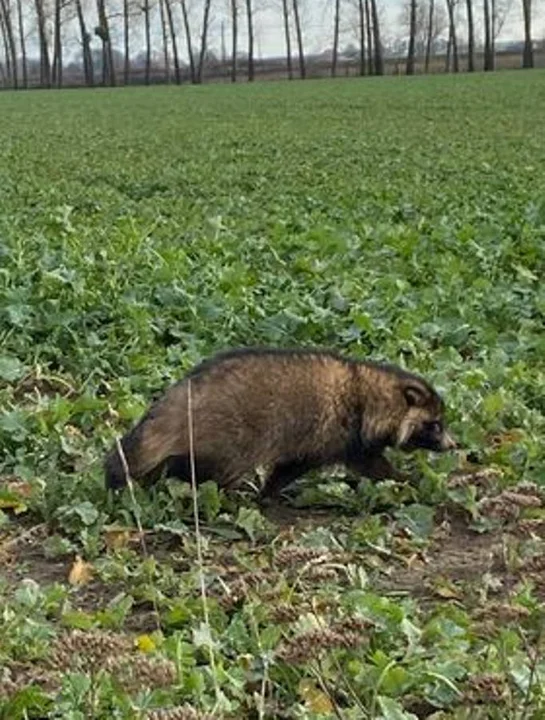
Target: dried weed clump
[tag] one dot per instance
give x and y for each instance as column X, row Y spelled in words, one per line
column 486, row 689
column 87, row 651
column 294, row 555
column 91, row 653
column 509, row 503
column 182, row 712
column 484, row 478
column 501, row 612
column 114, row 654
column 348, row 633
column 531, row 526
column 17, row 676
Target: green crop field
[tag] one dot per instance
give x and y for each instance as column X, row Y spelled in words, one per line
column 142, row 230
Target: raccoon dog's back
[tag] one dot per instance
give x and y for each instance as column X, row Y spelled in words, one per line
column 269, row 407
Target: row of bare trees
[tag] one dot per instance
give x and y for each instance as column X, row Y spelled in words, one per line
column 179, row 28
column 429, row 18
column 39, row 38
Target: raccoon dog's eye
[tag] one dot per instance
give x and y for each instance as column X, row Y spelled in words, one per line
column 435, row 427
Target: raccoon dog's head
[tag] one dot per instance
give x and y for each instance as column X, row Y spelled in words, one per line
column 423, row 424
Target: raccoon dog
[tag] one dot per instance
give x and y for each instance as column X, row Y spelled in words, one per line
column 287, row 410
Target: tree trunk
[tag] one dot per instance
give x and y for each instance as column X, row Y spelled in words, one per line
column 204, row 37
column 9, row 35
column 175, row 56
column 165, row 39
column 528, row 54
column 251, row 70
column 412, row 40
column 103, row 32
column 234, row 38
column 23, row 44
column 223, row 46
column 379, row 63
column 285, row 12
column 192, row 68
column 302, row 67
column 361, row 23
column 7, row 52
column 429, row 36
column 147, row 31
column 86, row 46
column 493, row 33
column 470, row 38
column 126, row 44
column 452, row 36
column 370, row 53
column 487, row 44
column 45, row 66
column 336, row 22
column 57, row 46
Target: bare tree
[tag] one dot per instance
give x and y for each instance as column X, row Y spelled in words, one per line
column 7, row 76
column 430, row 21
column 86, row 46
column 126, row 43
column 22, row 42
column 9, row 40
column 378, row 59
column 488, row 54
column 528, row 53
column 189, row 41
column 370, row 53
column 452, row 41
column 429, row 35
column 174, row 41
column 249, row 15
column 204, row 39
column 234, row 39
column 470, row 37
column 299, row 32
column 164, row 32
column 45, row 65
column 286, row 16
column 336, row 24
column 412, row 40
column 361, row 27
column 223, row 46
column 146, row 9
column 56, row 75
column 102, row 31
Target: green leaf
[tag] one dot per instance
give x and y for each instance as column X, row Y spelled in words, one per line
column 209, row 500
column 11, row 368
column 417, row 519
column 86, row 511
column 56, row 545
column 392, row 710
column 251, row 521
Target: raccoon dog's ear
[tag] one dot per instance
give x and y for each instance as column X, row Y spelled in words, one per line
column 414, row 395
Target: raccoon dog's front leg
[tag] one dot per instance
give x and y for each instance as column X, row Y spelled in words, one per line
column 283, row 474
column 377, row 467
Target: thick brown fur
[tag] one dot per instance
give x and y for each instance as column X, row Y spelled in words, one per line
column 287, row 410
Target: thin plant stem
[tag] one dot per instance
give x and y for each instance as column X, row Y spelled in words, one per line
column 198, row 536
column 137, row 517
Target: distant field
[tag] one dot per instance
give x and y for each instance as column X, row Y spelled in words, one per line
column 143, row 229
